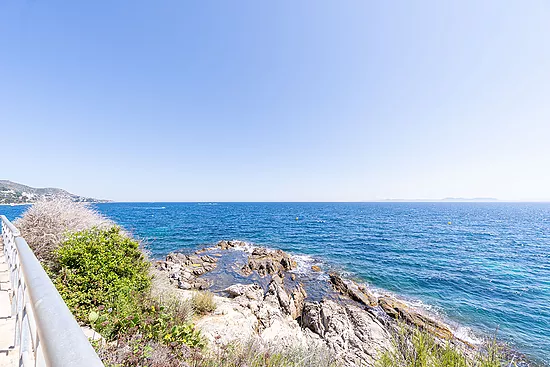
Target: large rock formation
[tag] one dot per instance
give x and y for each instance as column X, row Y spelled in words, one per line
column 356, row 329
column 392, row 307
column 290, row 303
column 352, row 290
column 400, row 311
column 350, row 332
column 262, row 260
column 268, row 262
column 250, row 313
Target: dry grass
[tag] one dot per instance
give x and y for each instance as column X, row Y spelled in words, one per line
column 46, row 224
column 417, row 348
column 255, row 354
column 180, row 309
column 203, row 303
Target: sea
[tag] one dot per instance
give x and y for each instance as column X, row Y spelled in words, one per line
column 483, row 267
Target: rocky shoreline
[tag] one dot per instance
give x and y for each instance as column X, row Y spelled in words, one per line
column 263, row 298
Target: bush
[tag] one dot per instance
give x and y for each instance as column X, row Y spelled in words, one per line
column 149, row 318
column 203, row 302
column 134, row 351
column 100, row 268
column 417, row 348
column 47, row 224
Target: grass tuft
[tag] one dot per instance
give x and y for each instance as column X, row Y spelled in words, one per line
column 203, row 302
column 255, row 354
column 418, row 348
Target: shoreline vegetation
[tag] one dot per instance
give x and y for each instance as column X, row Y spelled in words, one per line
column 141, row 312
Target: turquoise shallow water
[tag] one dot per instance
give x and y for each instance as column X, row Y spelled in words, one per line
column 487, row 270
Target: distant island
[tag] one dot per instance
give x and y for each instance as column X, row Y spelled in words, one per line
column 15, row 193
column 446, row 200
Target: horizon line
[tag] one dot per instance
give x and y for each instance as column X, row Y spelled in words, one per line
column 338, row 201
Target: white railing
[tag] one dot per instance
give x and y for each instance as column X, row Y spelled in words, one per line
column 46, row 333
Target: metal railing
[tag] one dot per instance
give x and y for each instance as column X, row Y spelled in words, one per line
column 46, row 332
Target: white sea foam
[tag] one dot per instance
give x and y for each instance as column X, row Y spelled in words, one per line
column 304, row 263
column 246, row 247
column 466, row 334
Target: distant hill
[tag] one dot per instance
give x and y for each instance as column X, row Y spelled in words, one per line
column 470, row 199
column 15, row 193
column 459, row 200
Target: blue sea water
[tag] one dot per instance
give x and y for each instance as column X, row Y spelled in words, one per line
column 485, row 266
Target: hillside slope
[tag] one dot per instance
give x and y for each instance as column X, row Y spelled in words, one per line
column 15, row 193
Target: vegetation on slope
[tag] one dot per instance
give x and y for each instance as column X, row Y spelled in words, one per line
column 103, row 276
column 418, row 348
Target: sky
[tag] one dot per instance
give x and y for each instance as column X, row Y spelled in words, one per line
column 277, row 101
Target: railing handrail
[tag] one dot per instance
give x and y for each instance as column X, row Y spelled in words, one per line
column 10, row 226
column 61, row 339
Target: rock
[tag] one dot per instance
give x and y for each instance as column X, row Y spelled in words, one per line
column 201, row 284
column 291, row 304
column 315, row 268
column 353, row 334
column 260, row 251
column 267, row 262
column 228, row 323
column 226, row 245
column 184, row 285
column 186, row 275
column 293, row 276
column 185, row 269
column 250, row 291
column 299, row 296
column 208, row 259
column 176, row 257
column 196, row 283
column 209, row 266
column 285, row 333
column 400, row 311
column 199, row 271
column 350, row 289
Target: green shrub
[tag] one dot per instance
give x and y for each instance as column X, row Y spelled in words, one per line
column 151, row 319
column 100, row 268
column 203, row 302
column 104, row 278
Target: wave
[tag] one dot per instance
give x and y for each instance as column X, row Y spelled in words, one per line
column 304, row 264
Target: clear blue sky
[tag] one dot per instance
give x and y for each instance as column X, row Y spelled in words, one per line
column 277, row 100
